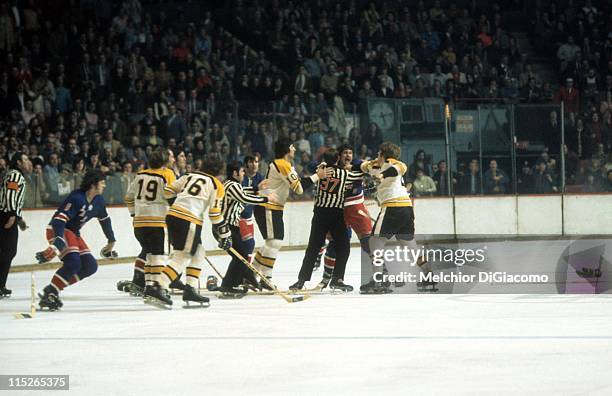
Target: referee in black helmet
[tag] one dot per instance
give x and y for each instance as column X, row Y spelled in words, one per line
column 12, row 192
column 328, row 216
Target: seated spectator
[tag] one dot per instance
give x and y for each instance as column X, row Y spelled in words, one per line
column 423, row 184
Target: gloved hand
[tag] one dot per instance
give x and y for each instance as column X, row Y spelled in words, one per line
column 223, row 235
column 225, row 243
column 108, row 252
column 47, row 255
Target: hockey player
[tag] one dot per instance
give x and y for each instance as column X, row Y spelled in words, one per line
column 147, row 205
column 252, row 179
column 281, row 178
column 329, row 217
column 356, row 215
column 396, row 216
column 236, row 197
column 63, row 234
column 196, row 194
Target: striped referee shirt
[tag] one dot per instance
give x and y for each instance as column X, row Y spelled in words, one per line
column 331, row 191
column 12, row 193
column 236, row 197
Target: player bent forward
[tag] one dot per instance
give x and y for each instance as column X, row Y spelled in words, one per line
column 197, row 193
column 63, row 234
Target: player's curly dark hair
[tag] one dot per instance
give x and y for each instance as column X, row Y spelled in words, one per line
column 344, row 147
column 212, row 165
column 390, row 150
column 92, row 177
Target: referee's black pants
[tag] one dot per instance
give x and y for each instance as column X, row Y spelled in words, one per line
column 8, row 247
column 237, row 270
column 326, row 220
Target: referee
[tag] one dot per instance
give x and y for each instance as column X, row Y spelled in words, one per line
column 12, row 192
column 328, row 216
column 236, row 197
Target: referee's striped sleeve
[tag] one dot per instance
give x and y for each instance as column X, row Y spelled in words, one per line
column 13, row 193
column 235, row 191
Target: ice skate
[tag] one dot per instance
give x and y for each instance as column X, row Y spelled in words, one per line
column 176, row 286
column 4, row 292
column 589, row 273
column 123, row 285
column 427, row 287
column 338, row 284
column 49, row 299
column 232, row 293
column 156, row 296
column 299, row 285
column 323, row 284
column 190, row 295
column 374, row 288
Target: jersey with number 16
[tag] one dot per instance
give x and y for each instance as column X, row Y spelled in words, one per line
column 196, row 193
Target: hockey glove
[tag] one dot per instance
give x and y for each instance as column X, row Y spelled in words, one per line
column 47, row 255
column 108, row 252
column 223, row 235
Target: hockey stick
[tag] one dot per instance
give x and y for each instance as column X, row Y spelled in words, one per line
column 29, row 315
column 285, row 296
column 213, row 267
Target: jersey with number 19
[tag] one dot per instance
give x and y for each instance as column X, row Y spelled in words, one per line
column 146, row 203
column 145, row 197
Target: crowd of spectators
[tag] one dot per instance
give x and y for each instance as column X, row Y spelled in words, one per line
column 100, row 84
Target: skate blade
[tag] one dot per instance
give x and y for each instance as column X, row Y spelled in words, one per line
column 432, row 290
column 339, row 291
column 196, row 305
column 375, row 292
column 231, row 297
column 156, row 303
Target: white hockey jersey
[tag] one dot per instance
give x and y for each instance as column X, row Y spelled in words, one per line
column 391, row 190
column 196, row 193
column 145, row 197
column 282, row 178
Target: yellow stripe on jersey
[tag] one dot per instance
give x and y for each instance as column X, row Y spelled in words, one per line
column 165, row 173
column 184, row 214
column 149, row 221
column 273, row 206
column 283, row 166
column 396, row 202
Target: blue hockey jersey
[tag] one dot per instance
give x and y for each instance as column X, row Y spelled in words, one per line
column 251, row 182
column 75, row 212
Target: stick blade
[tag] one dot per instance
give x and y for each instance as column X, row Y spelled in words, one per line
column 23, row 315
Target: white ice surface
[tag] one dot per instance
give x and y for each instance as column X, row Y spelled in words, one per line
column 113, row 344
